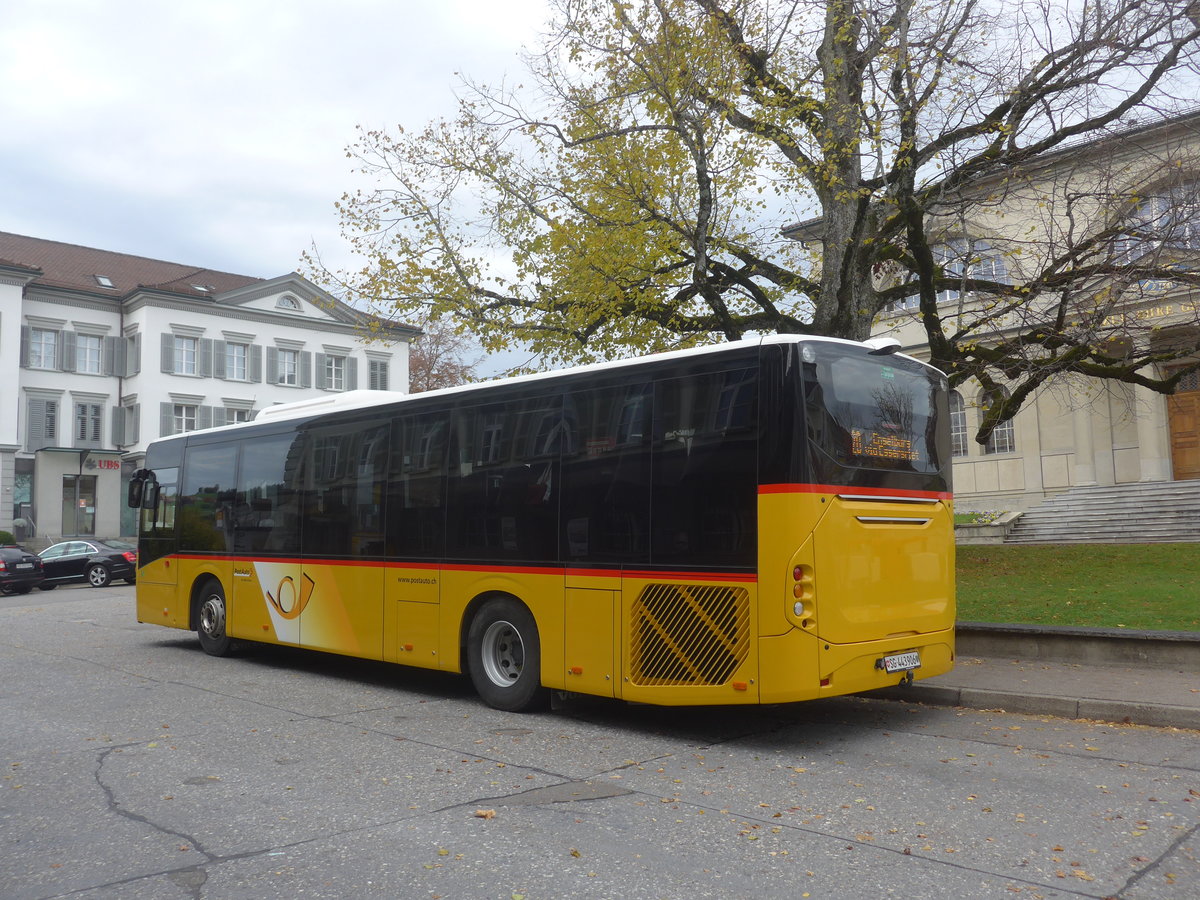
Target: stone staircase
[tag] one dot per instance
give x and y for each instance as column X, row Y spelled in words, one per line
column 1142, row 513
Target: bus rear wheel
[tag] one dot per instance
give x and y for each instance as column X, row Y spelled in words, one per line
column 505, row 656
column 210, row 620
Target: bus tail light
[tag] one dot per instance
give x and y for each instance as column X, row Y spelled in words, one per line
column 804, row 605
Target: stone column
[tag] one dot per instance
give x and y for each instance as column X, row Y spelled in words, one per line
column 1153, row 447
column 1085, row 448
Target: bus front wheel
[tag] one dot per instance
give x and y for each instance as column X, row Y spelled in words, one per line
column 210, row 620
column 505, row 656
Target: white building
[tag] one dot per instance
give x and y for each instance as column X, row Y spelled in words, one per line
column 104, row 352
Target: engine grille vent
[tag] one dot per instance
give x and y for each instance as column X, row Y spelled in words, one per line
column 689, row 634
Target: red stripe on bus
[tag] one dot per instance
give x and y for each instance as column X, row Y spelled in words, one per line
column 476, row 567
column 846, row 489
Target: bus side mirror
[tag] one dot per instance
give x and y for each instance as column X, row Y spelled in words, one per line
column 150, row 495
column 134, row 498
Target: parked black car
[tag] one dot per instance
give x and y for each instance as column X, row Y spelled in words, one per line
column 20, row 571
column 96, row 562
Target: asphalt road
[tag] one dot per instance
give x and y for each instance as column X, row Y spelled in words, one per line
column 136, row 766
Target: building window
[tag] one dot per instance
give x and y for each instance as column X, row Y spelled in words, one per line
column 1170, row 220
column 1003, row 438
column 87, row 353
column 184, row 417
column 88, row 417
column 287, row 302
column 235, row 416
column 961, row 258
column 958, row 425
column 289, row 366
column 377, row 375
column 43, row 348
column 186, row 355
column 335, row 373
column 235, row 362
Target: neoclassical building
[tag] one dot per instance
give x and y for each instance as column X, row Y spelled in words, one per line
column 104, row 352
column 1129, row 198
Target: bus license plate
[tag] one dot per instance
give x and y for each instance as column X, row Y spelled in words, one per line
column 902, row 662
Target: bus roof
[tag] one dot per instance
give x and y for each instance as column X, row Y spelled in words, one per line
column 363, row 399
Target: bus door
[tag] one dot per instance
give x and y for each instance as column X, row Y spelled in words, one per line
column 340, row 593
column 268, row 588
column 158, row 569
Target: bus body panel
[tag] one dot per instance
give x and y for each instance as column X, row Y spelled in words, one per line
column 851, row 668
column 264, row 602
column 883, row 569
column 688, row 639
column 158, row 600
column 412, row 615
column 787, row 520
column 344, row 607
column 591, row 626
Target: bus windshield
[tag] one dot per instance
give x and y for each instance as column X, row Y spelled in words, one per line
column 872, row 412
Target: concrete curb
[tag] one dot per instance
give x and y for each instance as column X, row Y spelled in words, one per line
column 1157, row 652
column 1119, row 711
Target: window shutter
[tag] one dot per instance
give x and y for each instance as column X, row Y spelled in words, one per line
column 114, row 356
column 351, row 373
column 118, row 425
column 306, row 369
column 220, row 364
column 204, row 365
column 166, row 419
column 25, row 346
column 272, row 365
column 220, row 416
column 66, row 356
column 254, row 363
column 319, row 375
column 378, row 375
column 50, row 434
column 168, row 356
column 35, row 428
column 204, row 417
column 133, row 361
column 133, row 423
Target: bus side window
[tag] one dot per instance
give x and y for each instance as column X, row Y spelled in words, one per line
column 705, row 469
column 206, row 499
column 605, row 504
column 265, row 514
column 416, row 501
column 345, row 470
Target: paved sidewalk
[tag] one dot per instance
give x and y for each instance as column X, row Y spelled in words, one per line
column 1140, row 695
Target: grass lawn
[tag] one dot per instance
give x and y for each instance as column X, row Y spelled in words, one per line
column 1151, row 586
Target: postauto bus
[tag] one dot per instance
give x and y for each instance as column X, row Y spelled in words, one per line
column 761, row 521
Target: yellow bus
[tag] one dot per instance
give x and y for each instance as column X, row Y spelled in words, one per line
column 761, row 521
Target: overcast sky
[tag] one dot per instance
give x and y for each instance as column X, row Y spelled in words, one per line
column 213, row 133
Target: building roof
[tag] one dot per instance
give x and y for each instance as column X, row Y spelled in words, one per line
column 73, row 267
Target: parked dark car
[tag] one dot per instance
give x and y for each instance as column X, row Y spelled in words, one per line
column 20, row 571
column 96, row 562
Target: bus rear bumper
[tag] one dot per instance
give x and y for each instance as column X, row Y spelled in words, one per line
column 797, row 666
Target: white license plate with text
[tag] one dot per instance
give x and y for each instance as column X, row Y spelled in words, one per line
column 902, row 662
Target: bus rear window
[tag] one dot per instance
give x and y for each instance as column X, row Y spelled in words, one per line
column 872, row 412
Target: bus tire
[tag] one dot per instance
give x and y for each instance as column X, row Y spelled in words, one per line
column 211, row 619
column 504, row 656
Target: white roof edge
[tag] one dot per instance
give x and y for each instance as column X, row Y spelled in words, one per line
column 313, row 406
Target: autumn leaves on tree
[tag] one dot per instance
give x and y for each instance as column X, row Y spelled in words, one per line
column 679, row 172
